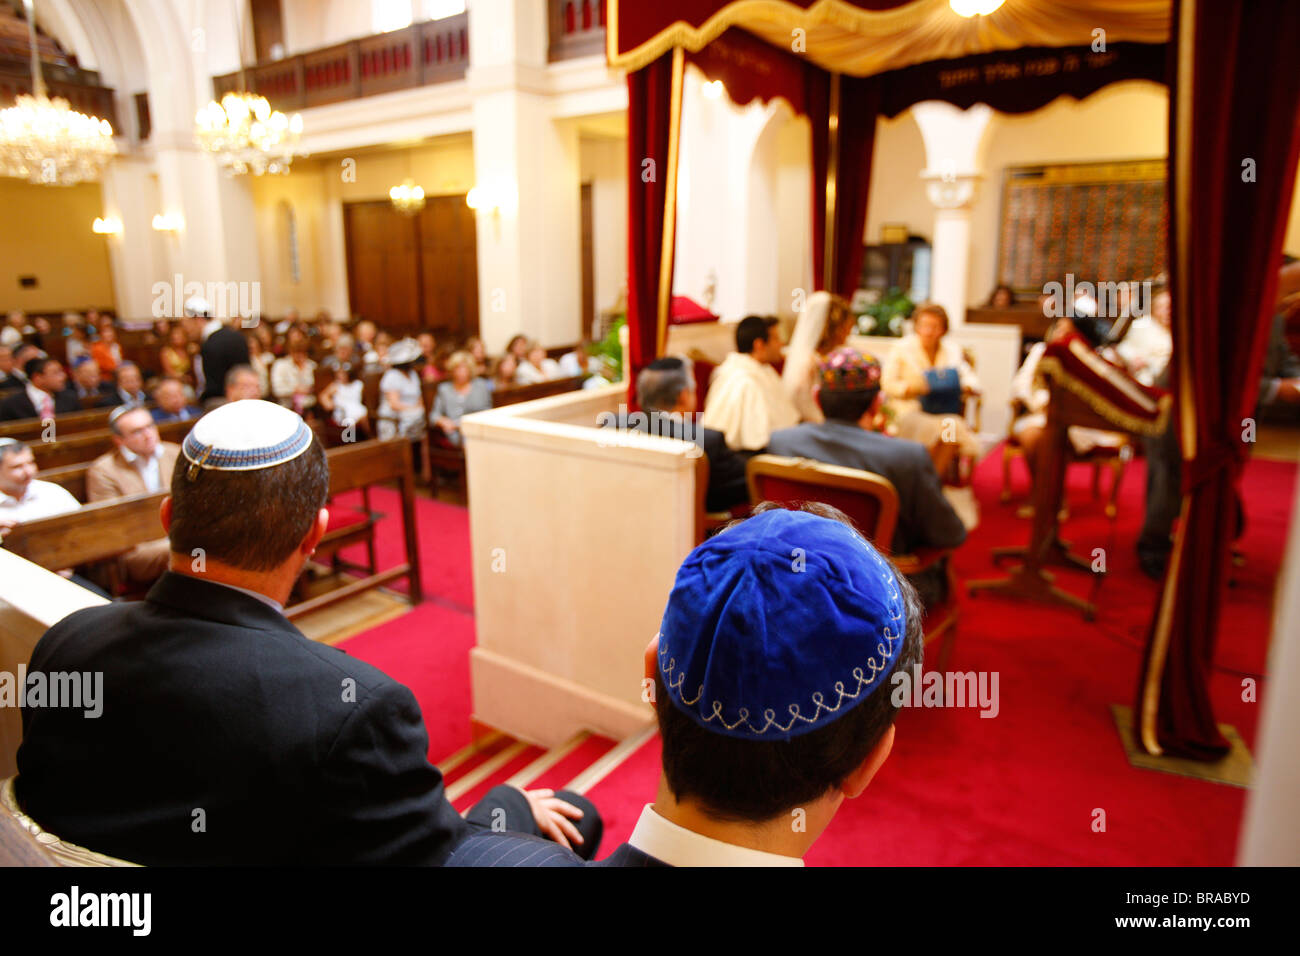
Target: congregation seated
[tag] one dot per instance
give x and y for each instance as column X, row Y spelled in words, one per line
column 92, row 391
column 747, row 401
column 401, row 399
column 23, row 496
column 343, row 357
column 175, row 358
column 171, row 403
column 457, row 397
column 223, row 348
column 735, row 765
column 128, row 385
column 15, row 328
column 293, row 377
column 536, row 367
column 428, row 366
column 518, row 347
column 10, row 378
column 926, row 381
column 478, row 352
column 260, row 359
column 45, row 394
column 577, row 363
column 341, row 400
column 849, row 391
column 339, row 777
column 824, row 325
column 77, row 345
column 503, row 371
column 140, row 463
column 1001, row 297
column 665, row 390
column 241, row 384
column 106, row 351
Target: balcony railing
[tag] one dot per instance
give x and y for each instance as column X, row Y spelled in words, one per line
column 422, row 54
column 577, row 28
column 79, row 87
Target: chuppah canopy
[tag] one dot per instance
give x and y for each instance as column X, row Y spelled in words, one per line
column 843, row 63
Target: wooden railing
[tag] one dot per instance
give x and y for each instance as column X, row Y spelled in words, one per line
column 81, row 88
column 434, row 51
column 577, row 28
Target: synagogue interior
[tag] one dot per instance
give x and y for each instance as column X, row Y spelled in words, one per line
column 665, row 428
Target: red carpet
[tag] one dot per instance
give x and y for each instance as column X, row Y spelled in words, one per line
column 1020, row 788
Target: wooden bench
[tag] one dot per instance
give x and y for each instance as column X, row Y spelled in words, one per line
column 69, row 423
column 87, row 446
column 107, row 529
column 513, row 394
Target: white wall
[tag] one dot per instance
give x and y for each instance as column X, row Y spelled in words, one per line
column 604, row 164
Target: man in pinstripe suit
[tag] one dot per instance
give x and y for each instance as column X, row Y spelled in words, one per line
column 759, row 754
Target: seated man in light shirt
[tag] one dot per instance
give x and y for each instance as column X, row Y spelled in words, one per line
column 140, row 464
column 746, row 400
column 22, row 496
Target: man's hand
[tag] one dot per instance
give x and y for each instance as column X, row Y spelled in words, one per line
column 553, row 815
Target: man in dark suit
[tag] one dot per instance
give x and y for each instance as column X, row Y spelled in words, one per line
column 219, row 733
column 665, row 389
column 92, row 391
column 45, row 395
column 848, row 391
column 221, row 351
column 758, row 756
column 170, row 404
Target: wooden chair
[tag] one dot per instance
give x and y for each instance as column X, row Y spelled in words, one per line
column 871, row 503
column 1115, row 457
column 23, row 842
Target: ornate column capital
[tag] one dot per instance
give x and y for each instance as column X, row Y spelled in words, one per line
column 950, row 190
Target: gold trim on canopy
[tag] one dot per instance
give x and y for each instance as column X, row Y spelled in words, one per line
column 670, row 204
column 917, row 32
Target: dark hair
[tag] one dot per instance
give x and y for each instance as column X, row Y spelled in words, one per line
column 755, row 780
column 1002, row 287
column 516, row 338
column 753, row 328
column 253, row 520
column 661, row 382
column 36, row 366
column 11, row 446
column 846, row 406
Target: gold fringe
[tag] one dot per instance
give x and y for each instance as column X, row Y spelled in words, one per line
column 1050, row 367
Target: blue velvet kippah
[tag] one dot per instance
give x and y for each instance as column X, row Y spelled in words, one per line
column 779, row 625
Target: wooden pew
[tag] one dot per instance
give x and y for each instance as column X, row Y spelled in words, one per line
column 72, row 478
column 107, row 529
column 513, row 394
column 87, row 446
column 69, row 423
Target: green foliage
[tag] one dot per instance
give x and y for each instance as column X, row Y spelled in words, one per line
column 610, row 351
column 885, row 316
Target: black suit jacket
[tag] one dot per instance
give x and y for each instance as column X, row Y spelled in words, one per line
column 105, row 396
column 727, row 486
column 515, row 849
column 212, row 701
column 224, row 349
column 17, row 405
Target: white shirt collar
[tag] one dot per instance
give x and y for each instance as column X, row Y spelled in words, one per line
column 37, row 396
column 677, row 846
column 139, row 460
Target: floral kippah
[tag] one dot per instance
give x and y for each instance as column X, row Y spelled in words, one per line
column 848, row 370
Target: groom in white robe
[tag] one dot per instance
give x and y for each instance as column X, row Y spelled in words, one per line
column 746, row 400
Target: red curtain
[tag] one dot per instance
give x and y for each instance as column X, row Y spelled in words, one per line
column 1234, row 133
column 859, row 105
column 649, row 121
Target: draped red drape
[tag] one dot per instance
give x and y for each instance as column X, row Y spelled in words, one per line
column 1234, row 133
column 859, row 105
column 649, row 122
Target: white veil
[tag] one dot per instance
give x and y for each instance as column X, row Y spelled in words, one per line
column 797, row 376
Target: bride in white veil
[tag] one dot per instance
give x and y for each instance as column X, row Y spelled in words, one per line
column 824, row 324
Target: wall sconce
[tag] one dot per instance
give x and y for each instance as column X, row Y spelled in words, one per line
column 407, row 198
column 493, row 199
column 974, row 8
column 171, row 222
column 110, row 226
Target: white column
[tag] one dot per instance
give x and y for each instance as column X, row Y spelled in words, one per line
column 526, row 166
column 138, row 256
column 953, row 170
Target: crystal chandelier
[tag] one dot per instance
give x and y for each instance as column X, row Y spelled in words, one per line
column 44, row 140
column 245, row 135
column 407, row 198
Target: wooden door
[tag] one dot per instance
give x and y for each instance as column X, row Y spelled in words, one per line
column 448, row 240
column 383, row 266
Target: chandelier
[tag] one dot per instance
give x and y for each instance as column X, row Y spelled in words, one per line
column 407, row 198
column 245, row 135
column 44, row 140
